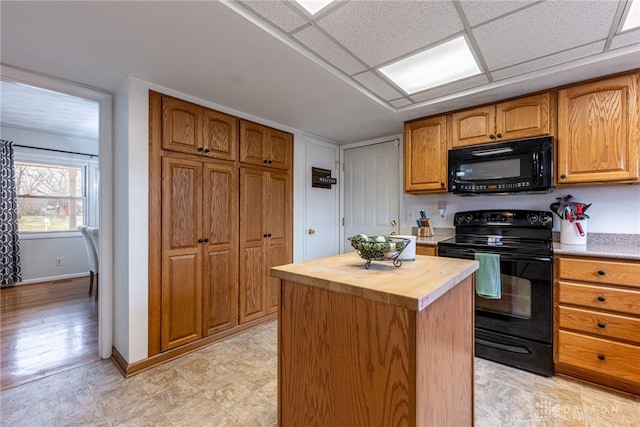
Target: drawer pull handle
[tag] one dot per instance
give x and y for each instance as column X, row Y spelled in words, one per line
column 601, row 272
column 601, row 298
column 601, row 356
column 601, row 325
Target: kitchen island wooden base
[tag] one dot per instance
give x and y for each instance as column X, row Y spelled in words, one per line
column 349, row 359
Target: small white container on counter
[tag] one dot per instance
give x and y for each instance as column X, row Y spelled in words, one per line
column 409, row 253
column 570, row 233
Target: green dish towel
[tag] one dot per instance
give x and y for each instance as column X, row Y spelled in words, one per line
column 488, row 277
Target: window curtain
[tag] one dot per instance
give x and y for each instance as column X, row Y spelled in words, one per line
column 10, row 270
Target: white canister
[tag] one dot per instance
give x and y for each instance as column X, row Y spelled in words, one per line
column 409, row 253
column 570, row 232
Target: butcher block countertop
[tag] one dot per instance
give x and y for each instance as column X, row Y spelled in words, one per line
column 414, row 285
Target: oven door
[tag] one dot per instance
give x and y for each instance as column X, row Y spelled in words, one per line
column 525, row 308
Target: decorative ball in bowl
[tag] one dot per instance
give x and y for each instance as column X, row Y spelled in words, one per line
column 379, row 248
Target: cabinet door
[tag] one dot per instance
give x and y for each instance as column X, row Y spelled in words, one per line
column 598, row 131
column 280, row 148
column 425, row 155
column 220, row 231
column 181, row 126
column 524, row 117
column 220, row 133
column 279, row 232
column 181, row 252
column 474, row 126
column 252, row 244
column 253, row 143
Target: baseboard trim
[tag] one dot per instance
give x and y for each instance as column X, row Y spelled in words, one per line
column 53, row 278
column 129, row 369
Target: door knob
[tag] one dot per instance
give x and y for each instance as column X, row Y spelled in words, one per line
column 311, row 231
column 393, row 223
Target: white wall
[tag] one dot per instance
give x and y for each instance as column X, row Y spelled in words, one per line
column 131, row 211
column 38, row 254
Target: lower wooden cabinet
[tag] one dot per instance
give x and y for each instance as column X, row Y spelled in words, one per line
column 426, row 250
column 265, row 230
column 597, row 317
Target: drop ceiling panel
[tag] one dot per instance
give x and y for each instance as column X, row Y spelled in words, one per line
column 318, row 42
column 451, row 88
column 376, row 85
column 542, row 30
column 549, row 61
column 381, row 31
column 481, row 11
column 626, row 39
column 279, row 13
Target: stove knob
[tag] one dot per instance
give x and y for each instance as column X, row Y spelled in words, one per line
column 458, row 219
column 545, row 219
column 532, row 218
column 469, row 217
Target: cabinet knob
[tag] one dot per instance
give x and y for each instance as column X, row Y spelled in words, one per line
column 199, row 240
column 311, row 231
column 200, row 149
column 601, row 298
column 206, row 150
column 492, row 136
column 563, row 176
column 265, row 235
column 270, row 161
column 442, row 184
column 265, row 161
column 601, row 325
column 499, row 135
column 269, row 235
column 601, row 272
column 601, row 357
column 206, row 240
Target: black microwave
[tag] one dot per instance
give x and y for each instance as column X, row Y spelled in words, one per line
column 505, row 167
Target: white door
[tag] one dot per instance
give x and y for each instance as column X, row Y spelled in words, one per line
column 371, row 192
column 322, row 229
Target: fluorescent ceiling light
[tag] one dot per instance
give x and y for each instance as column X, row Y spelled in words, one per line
column 633, row 16
column 313, row 6
column 442, row 64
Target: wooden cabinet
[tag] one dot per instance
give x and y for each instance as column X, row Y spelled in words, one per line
column 265, row 230
column 598, row 131
column 519, row 118
column 598, row 321
column 200, row 286
column 192, row 129
column 200, row 250
column 425, row 155
column 264, row 146
column 426, row 250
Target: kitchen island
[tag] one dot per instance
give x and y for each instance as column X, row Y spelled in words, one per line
column 385, row 346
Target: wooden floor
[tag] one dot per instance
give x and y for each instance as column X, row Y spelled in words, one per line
column 46, row 328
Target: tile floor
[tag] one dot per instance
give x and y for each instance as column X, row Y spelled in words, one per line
column 233, row 383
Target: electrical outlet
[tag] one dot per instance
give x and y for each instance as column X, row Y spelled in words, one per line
column 58, row 262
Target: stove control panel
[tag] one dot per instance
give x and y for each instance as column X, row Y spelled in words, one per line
column 504, row 218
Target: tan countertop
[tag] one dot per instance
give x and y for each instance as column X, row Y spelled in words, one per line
column 414, row 285
column 619, row 251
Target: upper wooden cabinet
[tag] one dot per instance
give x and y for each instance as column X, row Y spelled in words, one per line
column 425, row 155
column 192, row 129
column 519, row 118
column 598, row 131
column 263, row 146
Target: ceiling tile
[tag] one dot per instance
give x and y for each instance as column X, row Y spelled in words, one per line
column 277, row 12
column 480, row 11
column 626, row 39
column 400, row 102
column 381, row 31
column 543, row 29
column 451, row 88
column 378, row 86
column 315, row 40
column 549, row 61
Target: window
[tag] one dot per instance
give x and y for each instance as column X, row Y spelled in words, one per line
column 53, row 193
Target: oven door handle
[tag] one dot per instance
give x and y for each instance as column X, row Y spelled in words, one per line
column 511, row 257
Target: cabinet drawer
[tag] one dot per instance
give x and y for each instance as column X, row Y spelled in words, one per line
column 606, row 325
column 591, row 270
column 599, row 297
column 426, row 250
column 603, row 356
